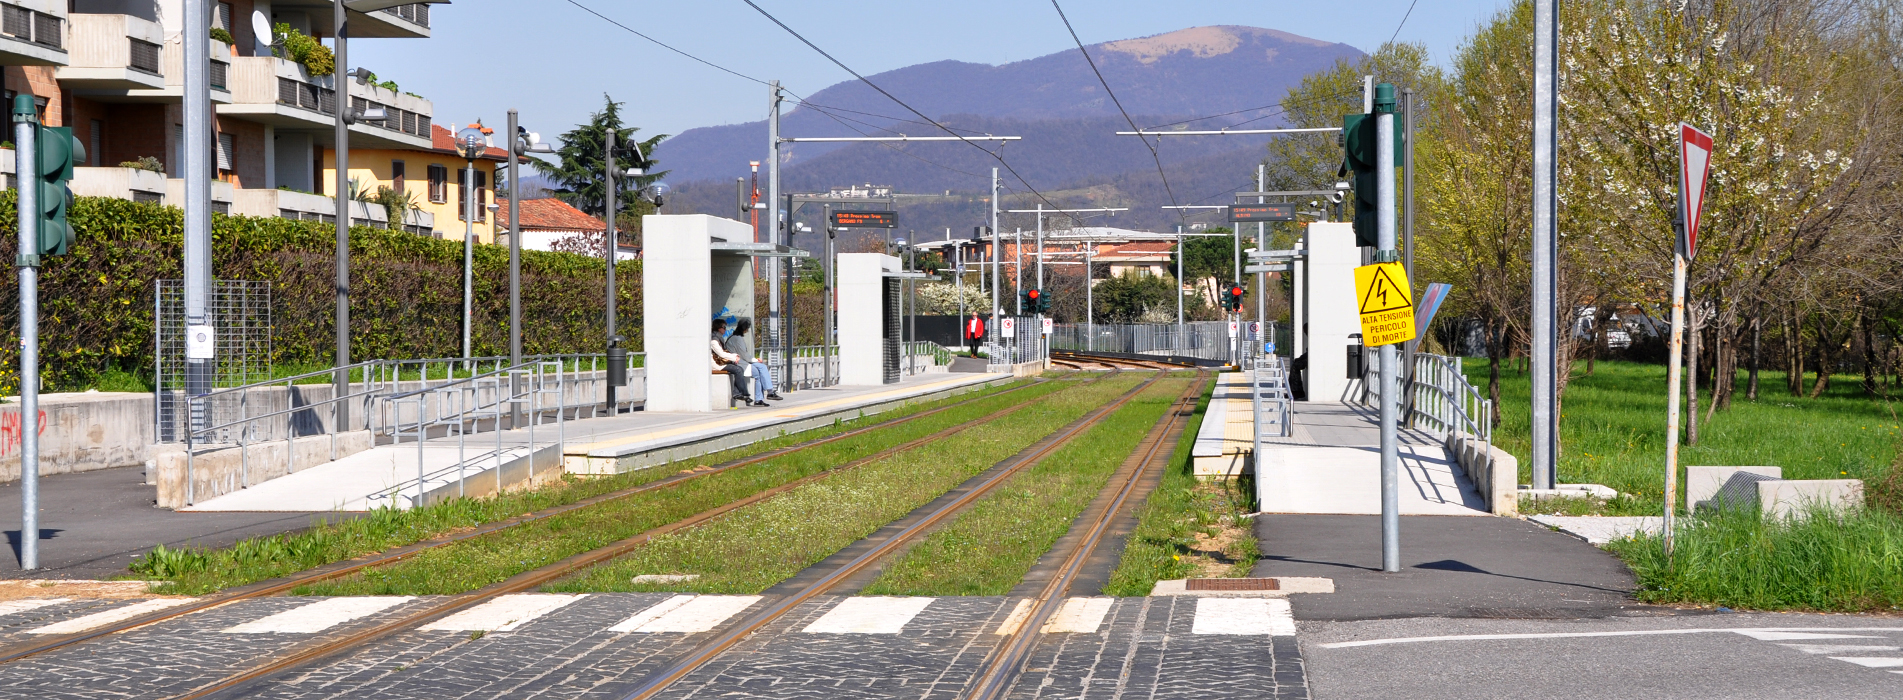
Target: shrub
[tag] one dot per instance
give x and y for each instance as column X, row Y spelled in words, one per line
column 145, row 163
column 316, row 57
column 222, row 35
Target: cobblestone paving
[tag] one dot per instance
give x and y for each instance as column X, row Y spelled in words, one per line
column 1143, row 649
column 13, row 627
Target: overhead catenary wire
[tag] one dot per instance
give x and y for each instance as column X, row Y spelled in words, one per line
column 894, row 98
column 1113, row 100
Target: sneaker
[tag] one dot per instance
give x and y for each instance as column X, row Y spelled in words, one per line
column 774, row 397
column 760, row 404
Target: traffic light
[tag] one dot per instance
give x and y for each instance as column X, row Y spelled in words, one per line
column 1034, row 301
column 1359, row 150
column 1232, row 297
column 57, row 152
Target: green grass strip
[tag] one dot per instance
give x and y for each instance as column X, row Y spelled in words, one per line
column 481, row 561
column 193, row 571
column 755, row 547
column 989, row 548
column 1836, row 563
column 1178, row 510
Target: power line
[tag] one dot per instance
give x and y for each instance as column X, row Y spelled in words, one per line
column 895, row 99
column 915, row 156
column 1397, row 28
column 661, row 44
column 1119, row 103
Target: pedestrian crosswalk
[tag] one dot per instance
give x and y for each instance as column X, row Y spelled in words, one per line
column 686, row 614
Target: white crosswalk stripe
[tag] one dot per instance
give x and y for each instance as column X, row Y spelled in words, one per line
column 1016, row 619
column 869, row 615
column 101, row 619
column 1791, row 636
column 9, row 607
column 505, row 613
column 319, row 616
column 1243, row 616
column 1838, row 648
column 1873, row 661
column 687, row 614
column 1079, row 615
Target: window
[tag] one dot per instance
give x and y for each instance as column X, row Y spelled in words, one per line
column 226, row 145
column 438, row 184
column 95, row 149
column 221, row 19
column 482, row 196
column 396, row 175
column 462, row 194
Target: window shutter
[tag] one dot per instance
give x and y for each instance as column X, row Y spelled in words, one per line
column 225, row 146
column 462, row 195
column 222, row 18
column 396, row 175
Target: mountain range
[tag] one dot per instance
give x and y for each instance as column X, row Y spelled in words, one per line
column 1197, row 78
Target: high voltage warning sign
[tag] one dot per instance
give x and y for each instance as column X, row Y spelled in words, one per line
column 1387, row 306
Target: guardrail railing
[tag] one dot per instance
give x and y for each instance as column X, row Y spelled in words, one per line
column 1442, row 401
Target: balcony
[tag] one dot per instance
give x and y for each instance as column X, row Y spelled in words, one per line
column 400, row 22
column 113, row 52
column 278, row 92
column 312, row 207
column 33, row 33
column 119, row 183
column 171, row 68
column 221, row 194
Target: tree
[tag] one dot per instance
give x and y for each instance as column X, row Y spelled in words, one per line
column 577, row 176
column 1134, row 297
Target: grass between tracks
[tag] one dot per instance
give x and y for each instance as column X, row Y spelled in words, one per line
column 201, row 570
column 753, row 548
column 988, row 549
column 481, row 561
column 1188, row 527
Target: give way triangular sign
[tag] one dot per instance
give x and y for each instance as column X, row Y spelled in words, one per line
column 1694, row 169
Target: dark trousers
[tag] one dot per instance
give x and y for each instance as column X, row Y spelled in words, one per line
column 736, row 375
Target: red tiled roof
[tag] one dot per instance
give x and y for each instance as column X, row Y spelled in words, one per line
column 442, row 140
column 1137, row 247
column 549, row 215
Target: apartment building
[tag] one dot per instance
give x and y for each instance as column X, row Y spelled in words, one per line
column 113, row 71
column 436, row 178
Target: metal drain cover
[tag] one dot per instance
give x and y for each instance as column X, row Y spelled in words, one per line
column 1232, row 584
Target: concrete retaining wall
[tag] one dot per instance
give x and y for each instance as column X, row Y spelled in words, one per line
column 1494, row 472
column 1030, row 369
column 220, row 471
column 517, row 474
column 81, row 432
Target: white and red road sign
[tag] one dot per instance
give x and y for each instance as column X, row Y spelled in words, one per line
column 1694, row 170
column 1232, row 328
column 1007, row 327
column 1049, row 325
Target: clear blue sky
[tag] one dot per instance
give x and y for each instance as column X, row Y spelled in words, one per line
column 552, row 61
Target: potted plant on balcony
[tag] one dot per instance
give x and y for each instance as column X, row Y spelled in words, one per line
column 292, row 44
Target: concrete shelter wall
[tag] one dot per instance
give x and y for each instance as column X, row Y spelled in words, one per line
column 683, row 285
column 1332, row 317
column 861, row 322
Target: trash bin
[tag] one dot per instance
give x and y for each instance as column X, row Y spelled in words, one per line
column 1355, row 355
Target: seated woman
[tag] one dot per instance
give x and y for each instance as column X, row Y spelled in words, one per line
column 742, row 346
column 731, row 364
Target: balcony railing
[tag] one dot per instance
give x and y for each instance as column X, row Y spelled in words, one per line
column 28, row 25
column 220, row 75
column 401, row 120
column 293, row 93
column 143, row 56
column 416, row 13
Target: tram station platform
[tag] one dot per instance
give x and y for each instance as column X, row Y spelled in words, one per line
column 483, row 463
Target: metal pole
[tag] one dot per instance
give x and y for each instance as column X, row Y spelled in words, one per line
column 1675, row 377
column 470, row 195
column 611, row 245
column 1040, row 248
column 1017, row 275
column 26, row 169
column 775, row 217
column 194, row 178
column 515, row 278
column 826, row 343
column 786, row 217
column 958, row 287
column 1090, row 298
column 1545, row 131
column 1407, row 222
column 1179, row 290
column 1261, row 244
column 997, row 257
column 1390, row 361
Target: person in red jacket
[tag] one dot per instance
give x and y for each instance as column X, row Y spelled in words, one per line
column 974, row 329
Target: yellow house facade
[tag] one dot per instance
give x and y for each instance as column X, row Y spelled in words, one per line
column 435, row 179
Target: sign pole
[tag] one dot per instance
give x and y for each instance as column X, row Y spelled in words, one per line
column 26, row 167
column 1385, row 253
column 1694, row 170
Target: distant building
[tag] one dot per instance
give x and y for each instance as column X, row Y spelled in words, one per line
column 867, row 190
column 545, row 221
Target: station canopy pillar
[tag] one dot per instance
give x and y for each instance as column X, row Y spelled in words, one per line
column 695, row 268
column 1331, row 315
column 869, row 322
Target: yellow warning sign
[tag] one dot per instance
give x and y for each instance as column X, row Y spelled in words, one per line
column 1386, row 303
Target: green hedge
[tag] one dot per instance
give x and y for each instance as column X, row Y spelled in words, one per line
column 406, row 292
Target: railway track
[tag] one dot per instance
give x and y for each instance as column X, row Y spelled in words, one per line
column 708, row 651
column 345, row 568
column 1077, row 359
column 536, row 577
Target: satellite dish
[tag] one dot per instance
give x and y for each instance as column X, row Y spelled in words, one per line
column 261, row 28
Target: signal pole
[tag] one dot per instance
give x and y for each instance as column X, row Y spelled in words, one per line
column 1545, row 204
column 996, row 308
column 26, row 170
column 1390, row 362
column 774, row 218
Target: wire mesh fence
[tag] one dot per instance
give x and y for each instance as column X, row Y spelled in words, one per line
column 1208, row 340
column 239, row 312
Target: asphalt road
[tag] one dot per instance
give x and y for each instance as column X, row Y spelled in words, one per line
column 92, row 524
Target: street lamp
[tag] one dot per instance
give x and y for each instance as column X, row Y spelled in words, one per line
column 471, row 143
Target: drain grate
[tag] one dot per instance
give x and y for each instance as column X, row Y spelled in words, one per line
column 1232, row 584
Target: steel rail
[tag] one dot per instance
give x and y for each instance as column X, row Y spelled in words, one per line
column 1015, row 651
column 706, row 652
column 337, row 569
column 536, row 577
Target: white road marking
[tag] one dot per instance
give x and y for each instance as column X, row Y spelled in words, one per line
column 1873, row 661
column 1784, row 636
column 687, row 614
column 1250, row 616
column 1570, row 635
column 504, row 614
column 101, row 619
column 9, row 607
column 1837, row 648
column 1016, row 619
column 869, row 615
column 319, row 616
column 1079, row 615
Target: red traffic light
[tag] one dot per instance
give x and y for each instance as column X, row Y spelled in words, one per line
column 1235, row 291
column 1034, row 294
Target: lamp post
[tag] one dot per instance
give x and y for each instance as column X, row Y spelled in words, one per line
column 523, row 143
column 471, row 143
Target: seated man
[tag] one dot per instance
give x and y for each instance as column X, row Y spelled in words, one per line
column 730, row 363
column 740, row 344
